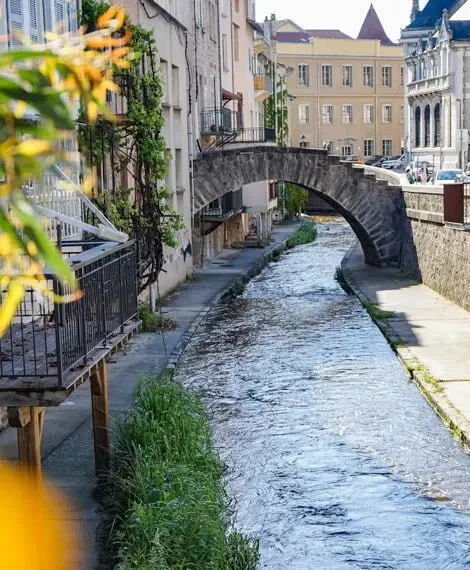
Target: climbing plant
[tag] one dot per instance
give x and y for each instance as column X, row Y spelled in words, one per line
column 135, row 145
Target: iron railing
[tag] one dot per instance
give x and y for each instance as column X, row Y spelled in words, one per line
column 46, row 339
column 219, row 121
column 229, row 203
column 255, row 135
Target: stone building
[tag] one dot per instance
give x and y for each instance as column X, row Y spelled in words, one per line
column 349, row 93
column 437, row 94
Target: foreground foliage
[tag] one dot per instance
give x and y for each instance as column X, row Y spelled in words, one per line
column 168, row 501
column 306, row 233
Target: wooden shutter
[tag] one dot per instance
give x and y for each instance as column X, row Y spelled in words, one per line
column 73, row 15
column 16, row 22
column 49, row 18
column 61, row 16
column 35, row 22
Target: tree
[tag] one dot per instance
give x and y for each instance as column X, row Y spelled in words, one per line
column 46, row 80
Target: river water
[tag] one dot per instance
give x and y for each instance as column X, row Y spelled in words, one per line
column 335, row 460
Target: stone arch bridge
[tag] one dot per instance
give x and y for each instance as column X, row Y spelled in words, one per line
column 373, row 208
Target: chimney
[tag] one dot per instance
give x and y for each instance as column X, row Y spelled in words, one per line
column 414, row 10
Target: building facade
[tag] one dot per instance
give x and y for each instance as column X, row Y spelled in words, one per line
column 437, row 94
column 349, row 93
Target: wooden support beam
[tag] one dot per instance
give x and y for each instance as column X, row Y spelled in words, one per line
column 29, row 423
column 100, row 413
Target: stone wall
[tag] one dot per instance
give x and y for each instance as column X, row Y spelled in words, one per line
column 436, row 253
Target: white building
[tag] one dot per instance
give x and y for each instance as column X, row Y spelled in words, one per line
column 437, row 59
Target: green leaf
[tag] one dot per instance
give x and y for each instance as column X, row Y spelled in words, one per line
column 47, row 250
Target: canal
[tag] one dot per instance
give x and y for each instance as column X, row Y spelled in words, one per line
column 334, row 458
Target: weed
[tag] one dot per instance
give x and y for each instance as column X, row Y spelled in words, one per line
column 339, row 277
column 167, row 500
column 191, row 277
column 376, row 312
column 276, row 255
column 238, row 287
column 152, row 322
column 306, row 233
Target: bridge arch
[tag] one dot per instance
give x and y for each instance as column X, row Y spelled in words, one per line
column 373, row 208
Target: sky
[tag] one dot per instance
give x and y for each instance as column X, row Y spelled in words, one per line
column 345, row 15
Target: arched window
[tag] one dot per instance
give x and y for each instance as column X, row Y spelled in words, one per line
column 418, row 127
column 427, row 126
column 437, row 124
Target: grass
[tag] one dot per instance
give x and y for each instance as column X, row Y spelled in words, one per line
column 167, row 499
column 413, row 367
column 306, row 233
column 376, row 312
column 152, row 322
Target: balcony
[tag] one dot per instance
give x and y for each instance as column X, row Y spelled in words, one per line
column 430, row 85
column 224, row 208
column 219, row 121
column 263, row 86
column 255, row 135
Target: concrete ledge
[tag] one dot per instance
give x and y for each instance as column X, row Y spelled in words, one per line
column 424, row 216
column 454, row 420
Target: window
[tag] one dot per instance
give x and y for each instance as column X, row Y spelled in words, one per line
column 327, row 114
column 304, row 142
column 346, row 150
column 347, row 114
column 368, row 114
column 368, row 147
column 164, row 76
column 328, row 146
column 212, row 21
column 402, row 76
column 175, row 85
column 326, row 76
column 386, row 76
column 237, row 6
column 427, row 126
column 347, row 75
column 418, row 127
column 368, row 76
column 304, row 113
column 272, row 189
column 386, row 113
column 224, row 10
column 437, row 124
column 236, row 43
column 199, row 12
column 303, row 75
column 387, row 147
column 225, row 52
column 402, row 113
column 179, row 168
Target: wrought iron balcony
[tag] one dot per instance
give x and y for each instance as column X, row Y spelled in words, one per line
column 219, row 121
column 255, row 135
column 225, row 207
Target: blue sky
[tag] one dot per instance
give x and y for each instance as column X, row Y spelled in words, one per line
column 346, row 15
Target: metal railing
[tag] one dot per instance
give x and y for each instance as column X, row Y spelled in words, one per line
column 263, row 83
column 46, row 339
column 255, row 135
column 229, row 203
column 219, row 121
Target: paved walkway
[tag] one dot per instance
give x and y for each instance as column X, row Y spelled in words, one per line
column 430, row 333
column 68, row 460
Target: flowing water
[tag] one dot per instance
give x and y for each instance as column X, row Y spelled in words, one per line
column 335, row 460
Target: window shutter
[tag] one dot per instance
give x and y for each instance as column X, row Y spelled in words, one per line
column 35, row 25
column 49, row 18
column 73, row 15
column 60, row 14
column 3, row 26
column 16, row 17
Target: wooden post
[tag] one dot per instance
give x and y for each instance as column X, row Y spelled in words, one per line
column 29, row 422
column 100, row 412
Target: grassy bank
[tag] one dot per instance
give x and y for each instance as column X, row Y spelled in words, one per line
column 306, row 233
column 167, row 499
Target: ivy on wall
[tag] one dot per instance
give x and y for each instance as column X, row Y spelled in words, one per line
column 134, row 144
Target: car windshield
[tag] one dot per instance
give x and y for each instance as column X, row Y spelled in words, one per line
column 449, row 174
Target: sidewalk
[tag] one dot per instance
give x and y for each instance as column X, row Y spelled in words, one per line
column 67, row 447
column 430, row 334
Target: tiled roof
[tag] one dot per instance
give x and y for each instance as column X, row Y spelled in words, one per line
column 372, row 29
column 460, row 30
column 432, row 13
column 328, row 34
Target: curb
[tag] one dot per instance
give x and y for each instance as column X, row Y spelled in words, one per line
column 452, row 418
column 231, row 291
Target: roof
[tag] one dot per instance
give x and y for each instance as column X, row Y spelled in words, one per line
column 432, row 13
column 460, row 30
column 372, row 29
column 328, row 34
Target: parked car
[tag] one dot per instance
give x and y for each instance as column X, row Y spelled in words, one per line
column 381, row 160
column 416, row 165
column 449, row 176
column 394, row 161
column 350, row 158
column 375, row 160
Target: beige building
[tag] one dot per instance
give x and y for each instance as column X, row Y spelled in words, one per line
column 349, row 93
